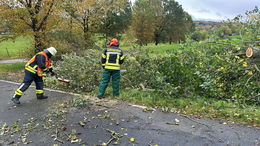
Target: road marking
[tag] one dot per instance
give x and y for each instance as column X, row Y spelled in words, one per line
column 12, row 61
column 74, row 94
column 47, row 89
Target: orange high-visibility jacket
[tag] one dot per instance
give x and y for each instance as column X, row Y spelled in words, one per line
column 35, row 69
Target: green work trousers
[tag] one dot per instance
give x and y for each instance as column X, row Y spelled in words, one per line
column 105, row 80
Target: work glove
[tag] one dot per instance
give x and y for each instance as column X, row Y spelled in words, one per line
column 53, row 73
column 50, row 70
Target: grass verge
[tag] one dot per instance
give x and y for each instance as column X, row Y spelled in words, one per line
column 11, row 68
column 12, row 72
column 198, row 106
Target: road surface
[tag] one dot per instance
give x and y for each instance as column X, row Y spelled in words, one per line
column 66, row 119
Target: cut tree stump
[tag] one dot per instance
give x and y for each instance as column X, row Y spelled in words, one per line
column 253, row 52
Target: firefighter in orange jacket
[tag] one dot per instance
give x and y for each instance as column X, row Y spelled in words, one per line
column 35, row 69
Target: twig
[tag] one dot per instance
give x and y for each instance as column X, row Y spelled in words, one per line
column 99, row 46
column 114, row 135
column 128, row 80
column 134, row 53
column 109, row 141
column 56, row 136
column 146, row 89
column 249, row 79
column 185, row 116
column 58, row 140
column 99, row 104
column 257, row 68
column 32, row 128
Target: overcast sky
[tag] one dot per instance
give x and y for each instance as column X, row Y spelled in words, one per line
column 217, row 9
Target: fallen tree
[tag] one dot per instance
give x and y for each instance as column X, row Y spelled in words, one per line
column 253, row 52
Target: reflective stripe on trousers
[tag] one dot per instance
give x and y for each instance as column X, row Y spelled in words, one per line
column 29, row 77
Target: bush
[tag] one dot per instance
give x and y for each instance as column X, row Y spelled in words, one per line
column 198, row 36
column 201, row 70
column 83, row 72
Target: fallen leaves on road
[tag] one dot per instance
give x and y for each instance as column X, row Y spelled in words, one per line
column 132, row 139
column 177, row 122
column 3, row 129
column 114, row 137
column 72, row 137
column 82, row 124
column 167, row 109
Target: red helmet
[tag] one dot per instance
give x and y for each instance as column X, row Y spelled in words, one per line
column 114, row 41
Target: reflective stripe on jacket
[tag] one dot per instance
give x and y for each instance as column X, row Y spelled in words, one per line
column 112, row 58
column 34, row 68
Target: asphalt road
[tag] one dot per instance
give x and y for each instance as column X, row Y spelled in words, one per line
column 55, row 122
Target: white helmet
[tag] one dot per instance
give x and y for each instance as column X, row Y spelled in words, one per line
column 52, row 50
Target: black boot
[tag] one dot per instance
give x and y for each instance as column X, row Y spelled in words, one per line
column 100, row 97
column 16, row 100
column 41, row 96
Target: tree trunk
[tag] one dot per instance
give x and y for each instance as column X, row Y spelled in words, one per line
column 85, row 40
column 71, row 24
column 157, row 37
column 156, row 42
column 85, row 32
column 253, row 52
column 38, row 44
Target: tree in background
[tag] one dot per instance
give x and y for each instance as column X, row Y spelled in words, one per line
column 77, row 23
column 160, row 20
column 81, row 13
column 199, row 35
column 116, row 20
column 143, row 22
column 30, row 17
column 223, row 31
column 248, row 24
column 4, row 28
column 179, row 23
column 90, row 15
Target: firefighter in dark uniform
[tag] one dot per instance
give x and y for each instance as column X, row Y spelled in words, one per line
column 112, row 58
column 35, row 69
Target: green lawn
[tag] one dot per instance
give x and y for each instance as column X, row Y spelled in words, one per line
column 14, row 49
column 162, row 48
column 154, row 50
column 11, row 68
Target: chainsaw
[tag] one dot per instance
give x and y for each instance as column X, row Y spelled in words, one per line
column 62, row 80
column 66, row 81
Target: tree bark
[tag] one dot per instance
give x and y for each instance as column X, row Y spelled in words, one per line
column 38, row 42
column 157, row 37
